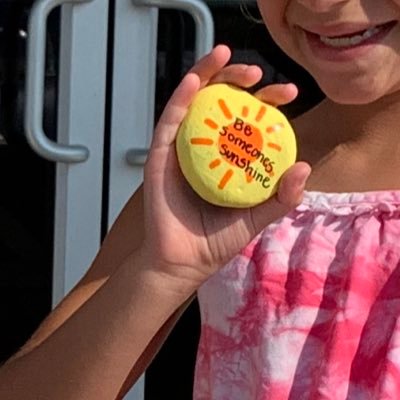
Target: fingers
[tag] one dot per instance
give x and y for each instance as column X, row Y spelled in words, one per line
column 290, row 195
column 175, row 111
column 278, row 94
column 241, row 75
column 176, row 108
column 292, row 184
column 212, row 69
column 211, row 64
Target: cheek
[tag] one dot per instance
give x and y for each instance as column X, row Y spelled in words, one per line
column 272, row 11
column 277, row 15
column 396, row 6
column 273, row 14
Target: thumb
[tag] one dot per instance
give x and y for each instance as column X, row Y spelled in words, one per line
column 289, row 195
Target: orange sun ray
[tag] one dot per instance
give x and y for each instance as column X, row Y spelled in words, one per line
column 245, row 111
column 275, row 128
column 274, row 146
column 202, row 141
column 225, row 179
column 249, row 178
column 225, row 109
column 215, row 163
column 261, row 113
column 210, row 123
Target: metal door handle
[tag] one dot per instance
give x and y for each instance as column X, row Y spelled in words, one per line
column 204, row 41
column 137, row 157
column 36, row 59
column 204, row 24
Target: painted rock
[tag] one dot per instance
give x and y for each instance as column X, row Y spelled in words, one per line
column 232, row 148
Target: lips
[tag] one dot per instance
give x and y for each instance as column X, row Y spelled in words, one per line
column 346, row 42
column 347, row 36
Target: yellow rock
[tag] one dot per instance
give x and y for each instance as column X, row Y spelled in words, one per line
column 232, row 148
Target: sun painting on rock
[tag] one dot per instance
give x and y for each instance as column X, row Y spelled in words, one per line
column 232, row 148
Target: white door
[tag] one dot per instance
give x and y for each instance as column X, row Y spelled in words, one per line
column 78, row 150
column 135, row 60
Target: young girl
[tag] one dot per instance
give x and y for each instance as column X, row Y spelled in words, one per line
column 163, row 247
column 310, row 309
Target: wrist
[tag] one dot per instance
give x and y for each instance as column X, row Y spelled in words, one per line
column 157, row 277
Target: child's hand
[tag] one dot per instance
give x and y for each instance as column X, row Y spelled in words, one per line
column 185, row 237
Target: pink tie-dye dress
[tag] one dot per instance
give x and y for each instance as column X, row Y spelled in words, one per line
column 310, row 309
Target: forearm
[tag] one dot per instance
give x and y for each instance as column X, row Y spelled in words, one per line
column 152, row 349
column 114, row 327
column 125, row 236
column 119, row 243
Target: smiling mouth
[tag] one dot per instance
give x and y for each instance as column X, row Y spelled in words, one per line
column 356, row 38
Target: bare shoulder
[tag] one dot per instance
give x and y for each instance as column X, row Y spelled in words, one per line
column 311, row 131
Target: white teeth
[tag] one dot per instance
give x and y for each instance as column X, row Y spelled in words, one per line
column 350, row 40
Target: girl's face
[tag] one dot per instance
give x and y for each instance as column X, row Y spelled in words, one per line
column 351, row 47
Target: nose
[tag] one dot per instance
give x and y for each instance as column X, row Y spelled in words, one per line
column 322, row 5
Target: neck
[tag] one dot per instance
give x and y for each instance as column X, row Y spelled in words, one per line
column 379, row 120
column 331, row 125
column 347, row 143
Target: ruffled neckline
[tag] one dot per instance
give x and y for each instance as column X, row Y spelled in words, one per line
column 351, row 203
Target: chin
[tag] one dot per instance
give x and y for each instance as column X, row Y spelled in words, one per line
column 349, row 94
column 350, row 98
